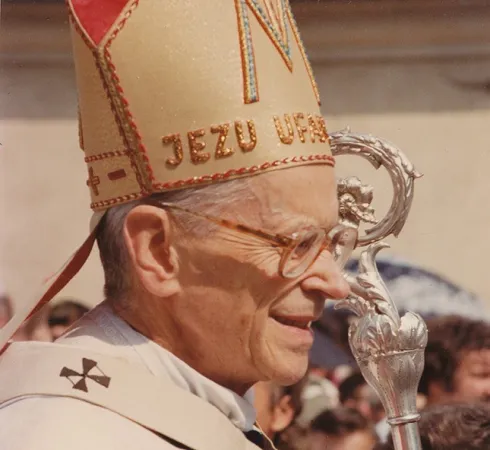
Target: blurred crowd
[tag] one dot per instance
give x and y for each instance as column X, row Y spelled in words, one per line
column 46, row 325
column 332, row 407
column 335, row 409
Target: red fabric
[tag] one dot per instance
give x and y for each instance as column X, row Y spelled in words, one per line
column 62, row 279
column 97, row 16
column 71, row 269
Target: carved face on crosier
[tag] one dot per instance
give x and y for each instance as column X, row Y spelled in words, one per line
column 174, row 94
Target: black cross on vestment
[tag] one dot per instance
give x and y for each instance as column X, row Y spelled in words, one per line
column 87, row 366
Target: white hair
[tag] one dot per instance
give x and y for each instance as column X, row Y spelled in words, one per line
column 112, row 248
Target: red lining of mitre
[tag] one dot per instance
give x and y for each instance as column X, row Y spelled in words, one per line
column 97, row 16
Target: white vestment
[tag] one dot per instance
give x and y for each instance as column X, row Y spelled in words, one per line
column 39, row 411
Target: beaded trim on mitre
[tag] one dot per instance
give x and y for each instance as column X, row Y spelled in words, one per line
column 207, row 179
column 304, row 123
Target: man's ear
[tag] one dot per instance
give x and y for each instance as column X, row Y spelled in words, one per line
column 148, row 236
column 283, row 414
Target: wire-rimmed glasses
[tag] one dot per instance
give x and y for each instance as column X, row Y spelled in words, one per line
column 300, row 250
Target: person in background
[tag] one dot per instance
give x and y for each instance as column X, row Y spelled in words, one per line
column 5, row 309
column 318, row 395
column 457, row 360
column 277, row 408
column 355, row 393
column 341, row 429
column 330, row 361
column 63, row 315
column 330, row 348
column 35, row 328
column 453, row 427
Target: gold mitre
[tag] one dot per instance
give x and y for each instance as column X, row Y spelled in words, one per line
column 174, row 94
column 181, row 93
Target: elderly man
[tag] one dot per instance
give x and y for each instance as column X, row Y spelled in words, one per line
column 341, row 428
column 216, row 262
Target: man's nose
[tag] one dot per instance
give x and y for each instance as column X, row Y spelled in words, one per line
column 486, row 390
column 326, row 277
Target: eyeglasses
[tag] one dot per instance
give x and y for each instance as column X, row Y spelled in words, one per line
column 300, row 250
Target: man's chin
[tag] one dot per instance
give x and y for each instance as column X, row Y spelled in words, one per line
column 287, row 368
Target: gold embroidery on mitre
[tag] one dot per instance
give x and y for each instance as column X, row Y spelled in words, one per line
column 93, row 181
column 217, row 150
column 276, row 16
column 250, row 145
column 80, row 130
column 176, row 142
column 288, row 140
column 302, row 129
column 118, row 174
column 106, row 155
column 274, row 21
column 196, row 147
column 129, row 130
column 221, row 151
column 294, row 27
column 323, row 127
column 316, row 130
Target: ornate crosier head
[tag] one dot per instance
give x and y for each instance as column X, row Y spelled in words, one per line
column 355, row 197
column 389, row 349
column 355, row 201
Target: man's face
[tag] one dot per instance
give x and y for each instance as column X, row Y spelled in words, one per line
column 5, row 313
column 264, row 406
column 239, row 320
column 358, row 440
column 472, row 377
column 58, row 330
column 361, row 401
column 4, row 318
column 275, row 411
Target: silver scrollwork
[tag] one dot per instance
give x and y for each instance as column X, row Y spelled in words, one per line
column 389, row 349
column 401, row 171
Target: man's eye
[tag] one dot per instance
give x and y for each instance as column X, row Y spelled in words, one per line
column 480, row 374
column 305, row 244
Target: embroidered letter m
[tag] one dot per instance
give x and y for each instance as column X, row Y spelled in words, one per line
column 275, row 17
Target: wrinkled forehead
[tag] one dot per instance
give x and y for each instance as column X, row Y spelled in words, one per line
column 305, row 194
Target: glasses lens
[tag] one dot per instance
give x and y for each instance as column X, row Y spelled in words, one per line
column 343, row 241
column 303, row 254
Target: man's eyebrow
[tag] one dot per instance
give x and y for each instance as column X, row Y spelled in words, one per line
column 287, row 222
column 293, row 223
column 297, row 224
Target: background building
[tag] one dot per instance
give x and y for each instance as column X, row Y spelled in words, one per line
column 416, row 72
